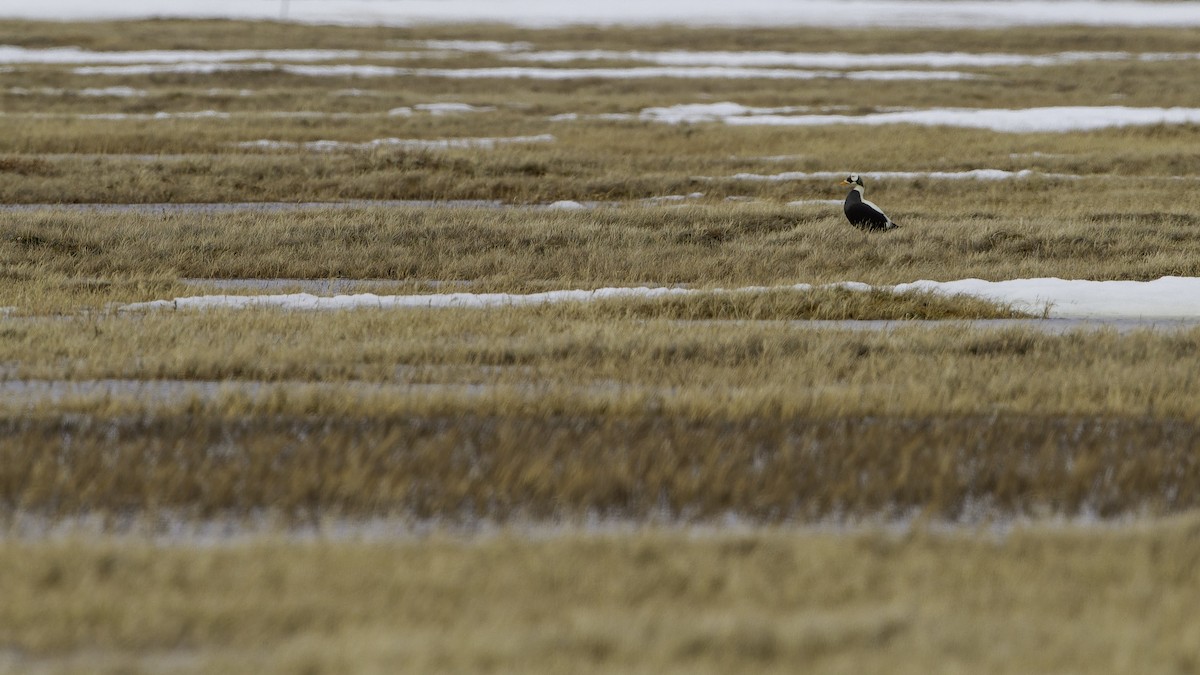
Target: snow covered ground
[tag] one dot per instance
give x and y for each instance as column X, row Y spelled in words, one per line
column 974, row 174
column 519, row 72
column 407, row 143
column 1019, row 120
column 1168, row 298
column 939, row 13
column 841, row 60
column 525, row 52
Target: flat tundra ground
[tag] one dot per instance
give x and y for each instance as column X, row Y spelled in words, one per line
column 687, row 482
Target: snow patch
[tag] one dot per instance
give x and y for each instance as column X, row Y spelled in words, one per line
column 188, row 68
column 837, row 60
column 816, row 202
column 566, row 205
column 1165, row 298
column 198, row 114
column 481, row 46
column 58, row 55
column 699, row 72
column 974, row 174
column 451, row 108
column 90, row 92
column 971, row 14
column 519, row 72
column 407, row 143
column 1019, row 120
column 1024, row 120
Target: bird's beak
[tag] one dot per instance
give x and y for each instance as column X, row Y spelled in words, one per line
column 844, row 182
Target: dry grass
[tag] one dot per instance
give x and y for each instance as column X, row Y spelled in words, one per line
column 685, row 410
column 590, row 159
column 633, row 377
column 1037, row 600
column 595, row 161
column 513, row 468
column 558, row 413
column 203, row 34
column 58, row 260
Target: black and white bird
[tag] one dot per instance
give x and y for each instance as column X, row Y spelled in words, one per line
column 862, row 213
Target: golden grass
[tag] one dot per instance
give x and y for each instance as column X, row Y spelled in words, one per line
column 557, row 467
column 558, row 412
column 590, row 159
column 684, row 410
column 593, row 161
column 62, row 260
column 1035, row 600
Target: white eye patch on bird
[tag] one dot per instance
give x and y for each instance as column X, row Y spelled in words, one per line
column 861, row 213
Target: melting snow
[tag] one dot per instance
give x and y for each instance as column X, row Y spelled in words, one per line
column 1048, row 119
column 700, row 72
column 974, row 174
column 939, row 13
column 439, row 109
column 566, row 205
column 1165, row 298
column 840, row 60
column 20, row 55
column 1026, row 120
column 482, row 46
column 408, row 143
column 93, row 92
column 515, row 72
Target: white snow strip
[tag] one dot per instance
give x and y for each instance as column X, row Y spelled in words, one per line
column 702, row 72
column 481, row 46
column 816, row 202
column 566, row 205
column 710, row 112
column 199, row 114
column 407, row 143
column 13, row 55
column 309, row 301
column 840, row 60
column 973, row 174
column 451, row 108
column 193, row 114
column 1165, row 298
column 1049, row 119
column 700, row 112
column 345, row 70
column 438, row 109
column 186, row 68
column 541, row 13
column 667, row 199
column 119, row 92
column 1025, row 120
column 91, row 92
column 518, row 72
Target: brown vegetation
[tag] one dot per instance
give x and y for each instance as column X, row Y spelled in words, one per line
column 1035, row 600
column 62, row 260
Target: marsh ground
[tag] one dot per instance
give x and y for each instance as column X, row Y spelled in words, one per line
column 673, row 484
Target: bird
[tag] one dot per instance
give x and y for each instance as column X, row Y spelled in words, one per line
column 862, row 213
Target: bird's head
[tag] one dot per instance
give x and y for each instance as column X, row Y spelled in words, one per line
column 853, row 180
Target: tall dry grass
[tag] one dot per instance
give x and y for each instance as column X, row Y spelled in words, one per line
column 63, row 260
column 555, row 414
column 1036, row 600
